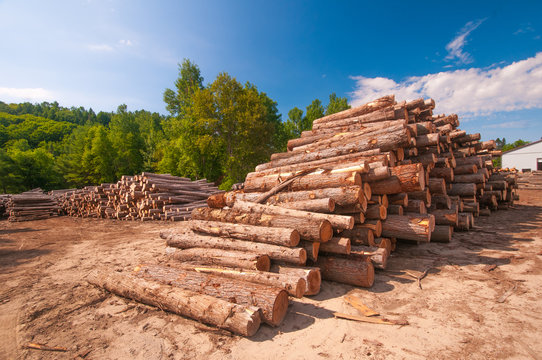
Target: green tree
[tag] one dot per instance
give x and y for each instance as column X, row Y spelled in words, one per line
column 128, row 145
column 336, row 104
column 188, row 82
column 314, row 111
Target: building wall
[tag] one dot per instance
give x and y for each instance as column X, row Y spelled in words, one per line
column 524, row 158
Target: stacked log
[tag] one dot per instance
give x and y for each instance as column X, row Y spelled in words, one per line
column 32, row 205
column 141, row 197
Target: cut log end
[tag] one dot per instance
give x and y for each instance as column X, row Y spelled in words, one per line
column 280, row 308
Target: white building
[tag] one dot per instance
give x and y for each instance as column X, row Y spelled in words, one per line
column 526, row 157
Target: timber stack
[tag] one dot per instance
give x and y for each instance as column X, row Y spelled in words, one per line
column 141, row 197
column 32, row 205
column 332, row 207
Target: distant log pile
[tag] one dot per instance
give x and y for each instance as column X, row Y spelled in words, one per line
column 530, row 180
column 31, row 205
column 332, row 207
column 141, row 197
column 4, row 198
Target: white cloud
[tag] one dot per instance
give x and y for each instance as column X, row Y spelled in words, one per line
column 472, row 91
column 100, row 48
column 125, row 42
column 509, row 125
column 25, row 94
column 455, row 47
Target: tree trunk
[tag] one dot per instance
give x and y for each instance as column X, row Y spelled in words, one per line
column 296, row 256
column 443, row 172
column 237, row 259
column 409, row 227
column 294, row 285
column 466, row 169
column 242, row 320
column 314, row 180
column 272, row 301
column 378, row 256
column 398, row 199
column 309, row 228
column 326, row 205
column 372, row 106
column 437, row 186
column 477, row 178
column 404, row 178
column 463, row 189
column 311, row 275
column 262, row 234
column 337, row 221
column 445, row 217
column 439, row 201
column 378, row 212
column 337, row 245
column 360, row 235
column 442, row 233
column 357, row 272
column 395, row 210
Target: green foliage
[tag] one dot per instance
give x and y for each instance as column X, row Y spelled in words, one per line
column 336, row 104
column 502, row 145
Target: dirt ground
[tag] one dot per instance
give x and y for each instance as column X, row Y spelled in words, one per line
column 481, row 299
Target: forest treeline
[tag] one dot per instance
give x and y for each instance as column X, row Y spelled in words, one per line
column 219, row 131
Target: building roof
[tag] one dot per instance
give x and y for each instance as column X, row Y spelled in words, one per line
column 522, row 146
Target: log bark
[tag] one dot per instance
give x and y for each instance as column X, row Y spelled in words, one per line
column 311, row 248
column 409, row 227
column 337, row 221
column 309, row 228
column 445, row 217
column 416, row 206
column 372, row 106
column 337, row 245
column 361, row 235
column 378, row 256
column 272, row 301
column 376, row 212
column 395, row 210
column 442, row 233
column 262, row 234
column 326, row 205
column 404, row 178
column 357, row 272
column 442, row 172
column 462, row 189
column 478, row 178
column 398, row 199
column 466, row 169
column 294, row 285
column 230, row 258
column 311, row 275
column 188, row 240
column 437, row 186
column 439, row 201
column 239, row 319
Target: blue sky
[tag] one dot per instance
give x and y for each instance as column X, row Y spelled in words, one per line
column 480, row 59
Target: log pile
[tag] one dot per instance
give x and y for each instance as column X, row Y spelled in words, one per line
column 530, row 180
column 333, row 207
column 141, row 197
column 4, row 198
column 32, row 205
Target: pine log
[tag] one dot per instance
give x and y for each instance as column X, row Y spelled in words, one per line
column 463, row 189
column 337, row 221
column 294, row 285
column 314, row 180
column 404, row 178
column 230, row 258
column 437, row 186
column 466, row 169
column 357, row 272
column 311, row 248
column 442, row 172
column 268, row 235
column 424, row 195
column 311, row 275
column 416, row 206
column 342, row 196
column 445, row 217
column 188, row 240
column 359, row 235
column 395, row 210
column 398, row 199
column 337, row 245
column 464, row 221
column 378, row 256
column 442, row 233
column 409, row 227
column 478, row 178
column 376, row 212
column 372, row 106
column 351, row 209
column 239, row 319
column 440, row 201
column 272, row 301
column 308, row 228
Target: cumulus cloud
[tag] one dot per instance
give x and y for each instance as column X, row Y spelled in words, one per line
column 25, row 94
column 100, row 48
column 125, row 42
column 471, row 91
column 455, row 47
column 520, row 124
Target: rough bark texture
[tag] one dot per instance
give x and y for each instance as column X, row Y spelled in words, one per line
column 409, row 227
column 188, row 240
column 404, row 178
column 268, row 235
column 311, row 275
column 442, row 233
column 357, row 272
column 337, row 245
column 378, row 256
column 230, row 258
column 242, row 320
column 359, row 235
column 272, row 301
column 309, row 229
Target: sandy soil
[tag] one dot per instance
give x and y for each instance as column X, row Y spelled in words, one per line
column 457, row 313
